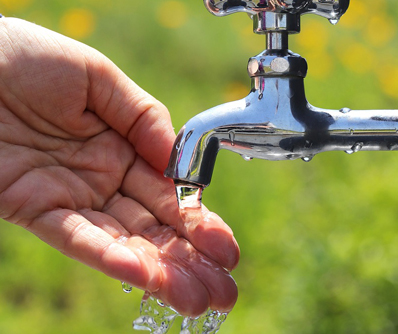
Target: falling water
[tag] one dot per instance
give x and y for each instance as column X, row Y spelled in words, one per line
column 154, row 316
column 208, row 323
column 189, row 197
column 157, row 317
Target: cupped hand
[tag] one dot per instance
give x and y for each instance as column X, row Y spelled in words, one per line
column 82, row 151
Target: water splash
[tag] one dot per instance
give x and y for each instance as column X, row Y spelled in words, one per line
column 208, row 323
column 355, row 148
column 158, row 319
column 154, row 316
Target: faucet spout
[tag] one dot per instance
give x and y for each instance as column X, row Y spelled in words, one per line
column 198, row 142
column 275, row 122
column 254, row 127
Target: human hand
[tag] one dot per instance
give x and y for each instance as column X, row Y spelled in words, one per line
column 83, row 149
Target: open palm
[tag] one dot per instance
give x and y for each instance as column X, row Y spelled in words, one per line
column 82, row 149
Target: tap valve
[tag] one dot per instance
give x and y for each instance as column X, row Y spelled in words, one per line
column 278, row 18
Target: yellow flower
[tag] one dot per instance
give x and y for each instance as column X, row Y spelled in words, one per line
column 357, row 57
column 314, row 35
column 380, row 30
column 172, row 14
column 320, row 64
column 77, row 23
column 13, row 5
column 388, row 75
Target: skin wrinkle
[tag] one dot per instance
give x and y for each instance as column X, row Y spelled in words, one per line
column 108, row 100
column 24, row 172
column 104, row 107
column 111, row 201
column 141, row 215
column 35, row 139
column 93, row 85
column 156, row 204
column 100, row 219
column 9, row 216
column 6, row 40
column 72, row 235
column 59, row 132
column 136, row 135
column 65, row 179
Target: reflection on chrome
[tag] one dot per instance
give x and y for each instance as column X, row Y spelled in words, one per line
column 275, row 121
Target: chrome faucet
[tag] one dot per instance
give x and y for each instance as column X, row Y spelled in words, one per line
column 275, row 121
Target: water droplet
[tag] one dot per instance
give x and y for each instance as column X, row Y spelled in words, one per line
column 334, row 21
column 232, row 137
column 345, row 110
column 355, row 148
column 246, row 157
column 307, row 158
column 393, row 146
column 127, row 288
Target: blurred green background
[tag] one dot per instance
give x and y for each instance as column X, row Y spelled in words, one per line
column 319, row 240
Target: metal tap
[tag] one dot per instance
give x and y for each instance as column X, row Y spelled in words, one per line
column 275, row 121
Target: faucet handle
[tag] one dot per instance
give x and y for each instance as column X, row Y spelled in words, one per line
column 330, row 9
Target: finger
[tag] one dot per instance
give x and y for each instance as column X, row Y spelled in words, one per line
column 179, row 287
column 220, row 286
column 219, row 283
column 182, row 290
column 130, row 110
column 131, row 215
column 105, row 222
column 156, row 193
column 211, row 234
column 76, row 237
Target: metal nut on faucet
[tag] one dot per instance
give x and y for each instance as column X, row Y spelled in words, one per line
column 280, row 65
column 253, row 67
column 271, row 65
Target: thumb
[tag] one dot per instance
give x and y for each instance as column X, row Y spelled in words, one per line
column 130, row 110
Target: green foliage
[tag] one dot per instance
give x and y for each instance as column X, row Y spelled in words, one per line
column 319, row 240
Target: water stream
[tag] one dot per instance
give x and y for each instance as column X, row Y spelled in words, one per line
column 158, row 319
column 155, row 316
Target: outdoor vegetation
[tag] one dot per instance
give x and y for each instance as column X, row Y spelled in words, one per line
column 319, row 240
